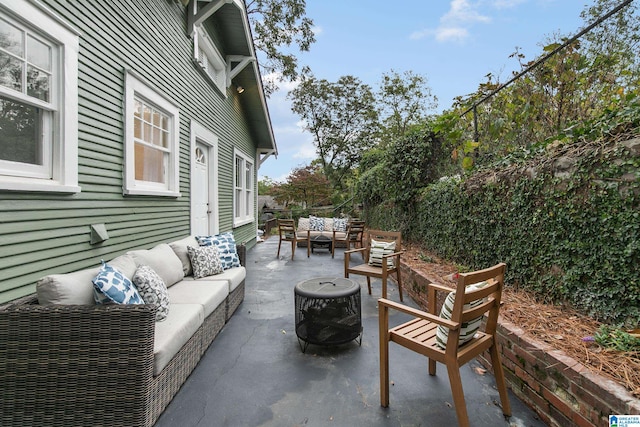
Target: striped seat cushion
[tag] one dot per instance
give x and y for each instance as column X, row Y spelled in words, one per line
column 468, row 329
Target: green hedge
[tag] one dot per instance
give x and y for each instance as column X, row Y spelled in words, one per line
column 570, row 237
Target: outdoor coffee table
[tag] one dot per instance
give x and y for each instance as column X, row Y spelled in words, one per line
column 322, row 242
column 328, row 311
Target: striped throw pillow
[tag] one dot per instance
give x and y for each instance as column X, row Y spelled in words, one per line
column 378, row 249
column 468, row 329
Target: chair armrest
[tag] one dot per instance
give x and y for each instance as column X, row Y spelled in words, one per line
column 396, row 254
column 385, row 303
column 439, row 287
column 355, row 250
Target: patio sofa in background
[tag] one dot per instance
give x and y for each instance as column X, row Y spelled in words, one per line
column 67, row 361
column 318, row 226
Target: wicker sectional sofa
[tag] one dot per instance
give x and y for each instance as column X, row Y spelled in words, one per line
column 65, row 361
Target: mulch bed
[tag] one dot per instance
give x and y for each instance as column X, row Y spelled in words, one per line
column 561, row 327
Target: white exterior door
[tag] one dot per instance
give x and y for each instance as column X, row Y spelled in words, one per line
column 204, row 181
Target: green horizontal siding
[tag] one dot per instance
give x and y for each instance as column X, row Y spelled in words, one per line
column 43, row 233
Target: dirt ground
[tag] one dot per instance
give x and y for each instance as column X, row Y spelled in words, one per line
column 560, row 327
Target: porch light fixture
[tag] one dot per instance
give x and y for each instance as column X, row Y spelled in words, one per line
column 240, row 89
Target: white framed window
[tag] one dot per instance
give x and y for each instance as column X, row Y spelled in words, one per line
column 210, row 59
column 38, row 100
column 151, row 141
column 243, row 196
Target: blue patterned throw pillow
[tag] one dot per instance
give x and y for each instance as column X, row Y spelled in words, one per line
column 112, row 283
column 340, row 224
column 226, row 245
column 316, row 223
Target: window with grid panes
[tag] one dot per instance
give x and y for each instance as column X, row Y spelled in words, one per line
column 38, row 100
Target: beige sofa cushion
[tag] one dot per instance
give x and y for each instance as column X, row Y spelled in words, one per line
column 180, row 249
column 125, row 264
column 70, row 288
column 209, row 294
column 303, row 224
column 163, row 260
column 171, row 334
column 76, row 288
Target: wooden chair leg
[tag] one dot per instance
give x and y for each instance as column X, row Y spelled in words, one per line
column 293, row 249
column 369, row 285
column 498, row 372
column 279, row 243
column 383, row 322
column 458, row 394
column 432, row 367
column 399, row 280
column 384, row 287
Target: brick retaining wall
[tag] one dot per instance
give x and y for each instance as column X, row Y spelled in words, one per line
column 561, row 390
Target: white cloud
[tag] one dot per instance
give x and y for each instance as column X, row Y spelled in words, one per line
column 455, row 24
column 463, row 11
column 457, row 34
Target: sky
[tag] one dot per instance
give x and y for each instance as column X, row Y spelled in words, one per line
column 453, row 43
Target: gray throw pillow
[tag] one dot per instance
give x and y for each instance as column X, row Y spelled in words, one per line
column 153, row 290
column 205, row 261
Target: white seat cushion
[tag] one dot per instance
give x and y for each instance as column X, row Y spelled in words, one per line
column 171, row 334
column 234, row 276
column 209, row 294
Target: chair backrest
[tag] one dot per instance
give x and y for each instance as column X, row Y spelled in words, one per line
column 470, row 303
column 355, row 230
column 287, row 229
column 385, row 236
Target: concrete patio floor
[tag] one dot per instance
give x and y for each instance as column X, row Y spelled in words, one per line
column 255, row 374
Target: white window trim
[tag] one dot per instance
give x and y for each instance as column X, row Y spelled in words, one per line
column 201, row 40
column 64, row 147
column 203, row 135
column 135, row 86
column 246, row 219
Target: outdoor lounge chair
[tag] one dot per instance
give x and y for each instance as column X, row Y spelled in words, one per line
column 453, row 338
column 381, row 252
column 287, row 231
column 353, row 236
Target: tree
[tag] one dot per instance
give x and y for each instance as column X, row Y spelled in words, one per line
column 306, row 186
column 277, row 25
column 342, row 119
column 265, row 186
column 404, row 100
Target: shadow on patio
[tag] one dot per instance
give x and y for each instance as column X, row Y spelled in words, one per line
column 255, row 374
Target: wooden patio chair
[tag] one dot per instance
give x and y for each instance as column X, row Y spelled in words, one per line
column 288, row 233
column 381, row 252
column 353, row 236
column 452, row 337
